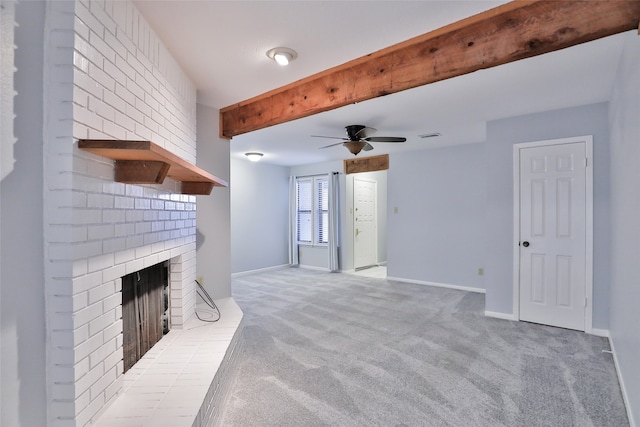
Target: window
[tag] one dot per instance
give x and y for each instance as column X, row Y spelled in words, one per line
column 313, row 210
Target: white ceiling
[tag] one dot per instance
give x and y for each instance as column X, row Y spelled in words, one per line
column 221, row 45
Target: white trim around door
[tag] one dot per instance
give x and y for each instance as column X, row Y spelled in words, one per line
column 588, row 141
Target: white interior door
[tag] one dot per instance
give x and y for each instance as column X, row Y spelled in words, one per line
column 365, row 227
column 553, row 234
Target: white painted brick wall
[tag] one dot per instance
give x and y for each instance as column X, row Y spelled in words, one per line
column 109, row 77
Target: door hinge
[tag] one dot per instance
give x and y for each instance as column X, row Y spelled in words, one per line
column 585, row 302
column 586, row 162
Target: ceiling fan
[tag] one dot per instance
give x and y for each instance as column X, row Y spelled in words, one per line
column 358, row 139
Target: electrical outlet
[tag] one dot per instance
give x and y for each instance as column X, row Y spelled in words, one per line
column 480, row 271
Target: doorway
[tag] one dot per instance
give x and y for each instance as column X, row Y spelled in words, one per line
column 553, row 217
column 365, row 225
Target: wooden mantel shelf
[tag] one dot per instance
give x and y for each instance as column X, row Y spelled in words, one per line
column 143, row 162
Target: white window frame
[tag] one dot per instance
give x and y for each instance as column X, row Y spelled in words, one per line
column 316, row 210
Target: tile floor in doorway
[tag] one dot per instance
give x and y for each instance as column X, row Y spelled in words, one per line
column 376, row 272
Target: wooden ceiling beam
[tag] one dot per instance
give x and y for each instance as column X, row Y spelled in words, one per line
column 513, row 31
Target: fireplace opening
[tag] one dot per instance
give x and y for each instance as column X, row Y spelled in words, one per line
column 145, row 311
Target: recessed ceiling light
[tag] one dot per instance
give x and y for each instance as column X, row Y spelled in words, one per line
column 254, row 157
column 282, row 55
column 430, row 135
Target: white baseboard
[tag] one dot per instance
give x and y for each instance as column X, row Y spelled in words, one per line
column 623, row 389
column 259, row 270
column 439, row 285
column 503, row 316
column 313, row 267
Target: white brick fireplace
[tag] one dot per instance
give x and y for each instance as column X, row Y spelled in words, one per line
column 107, row 76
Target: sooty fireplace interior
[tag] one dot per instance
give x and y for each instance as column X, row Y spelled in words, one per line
column 145, row 311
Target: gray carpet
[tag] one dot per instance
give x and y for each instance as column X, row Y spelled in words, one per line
column 326, row 349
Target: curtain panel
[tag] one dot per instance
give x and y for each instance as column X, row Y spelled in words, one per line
column 334, row 221
column 294, row 260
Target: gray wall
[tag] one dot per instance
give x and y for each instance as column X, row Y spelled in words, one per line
column 501, row 135
column 213, row 235
column 438, row 233
column 22, row 321
column 624, row 320
column 259, row 221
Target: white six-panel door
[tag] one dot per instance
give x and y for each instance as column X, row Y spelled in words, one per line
column 365, row 224
column 553, row 234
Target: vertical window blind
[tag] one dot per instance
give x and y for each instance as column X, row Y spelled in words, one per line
column 322, row 195
column 312, row 199
column 305, row 210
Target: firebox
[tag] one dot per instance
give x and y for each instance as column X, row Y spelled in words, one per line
column 145, row 311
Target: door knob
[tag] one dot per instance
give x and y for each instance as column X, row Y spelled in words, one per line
column 525, row 244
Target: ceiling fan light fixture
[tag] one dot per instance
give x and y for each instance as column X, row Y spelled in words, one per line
column 254, row 156
column 282, row 55
column 355, row 147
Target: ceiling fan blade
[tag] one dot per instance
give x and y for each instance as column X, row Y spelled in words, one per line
column 385, row 139
column 331, row 145
column 330, row 137
column 365, row 132
column 367, row 147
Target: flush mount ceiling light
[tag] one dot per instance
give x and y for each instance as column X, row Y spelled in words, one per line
column 254, row 157
column 282, row 55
